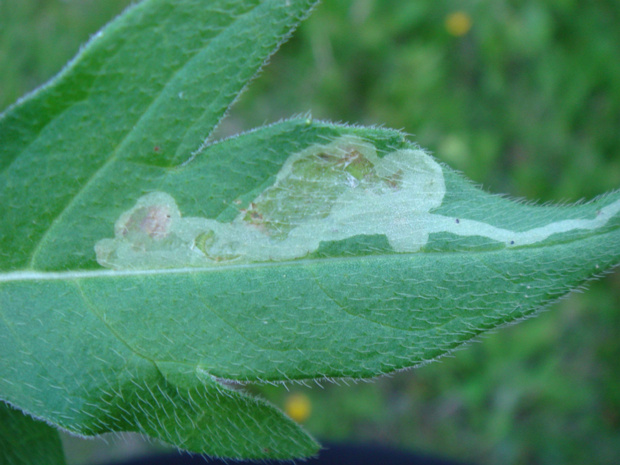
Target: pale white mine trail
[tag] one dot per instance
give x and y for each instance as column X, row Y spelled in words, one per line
column 327, row 192
column 467, row 227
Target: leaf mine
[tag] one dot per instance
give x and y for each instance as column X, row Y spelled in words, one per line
column 324, row 193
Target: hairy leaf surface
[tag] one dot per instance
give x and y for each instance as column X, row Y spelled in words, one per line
column 144, row 274
column 138, row 101
column 26, row 441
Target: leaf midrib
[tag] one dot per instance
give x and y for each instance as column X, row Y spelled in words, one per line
column 33, row 275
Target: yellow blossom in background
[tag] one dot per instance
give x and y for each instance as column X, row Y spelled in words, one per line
column 298, row 407
column 458, row 23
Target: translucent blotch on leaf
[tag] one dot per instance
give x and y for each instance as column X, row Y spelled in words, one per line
column 327, row 192
column 323, row 194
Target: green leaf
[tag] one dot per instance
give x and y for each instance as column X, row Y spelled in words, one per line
column 26, row 441
column 299, row 250
column 141, row 97
column 146, row 92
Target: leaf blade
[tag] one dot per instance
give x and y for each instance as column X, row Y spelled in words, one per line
column 157, row 340
column 291, row 320
column 103, row 107
column 26, row 441
column 114, row 386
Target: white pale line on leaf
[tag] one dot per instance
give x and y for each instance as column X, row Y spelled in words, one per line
column 325, row 193
column 465, row 227
column 71, row 275
column 14, row 276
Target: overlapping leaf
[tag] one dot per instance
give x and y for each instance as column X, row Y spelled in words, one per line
column 26, row 441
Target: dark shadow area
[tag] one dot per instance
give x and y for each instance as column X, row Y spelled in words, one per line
column 331, row 454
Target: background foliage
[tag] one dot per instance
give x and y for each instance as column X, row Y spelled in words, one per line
column 527, row 102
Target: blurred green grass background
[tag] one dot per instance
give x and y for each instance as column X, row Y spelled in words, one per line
column 523, row 96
